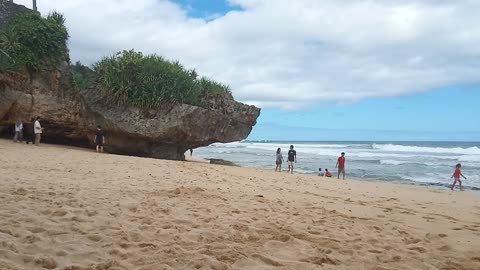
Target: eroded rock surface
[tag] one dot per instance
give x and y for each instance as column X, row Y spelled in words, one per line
column 70, row 117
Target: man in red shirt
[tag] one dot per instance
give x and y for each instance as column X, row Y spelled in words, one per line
column 341, row 165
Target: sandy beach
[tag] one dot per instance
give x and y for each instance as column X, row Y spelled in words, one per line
column 74, row 209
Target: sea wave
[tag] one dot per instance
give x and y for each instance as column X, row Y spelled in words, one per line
column 422, row 149
column 418, row 162
column 297, row 146
column 393, row 162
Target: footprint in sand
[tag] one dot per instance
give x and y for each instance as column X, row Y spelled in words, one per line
column 470, row 228
column 32, row 239
column 46, row 262
column 91, row 213
column 20, row 191
column 9, row 246
column 321, row 260
column 147, row 245
column 428, row 219
column 124, row 245
column 78, row 219
column 36, row 229
column 324, row 250
column 59, row 213
column 418, row 249
column 267, row 260
column 61, row 253
column 94, row 237
column 46, row 212
column 410, row 241
column 444, row 248
column 167, row 226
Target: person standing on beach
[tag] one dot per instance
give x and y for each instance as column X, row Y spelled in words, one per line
column 292, row 158
column 99, row 139
column 37, row 129
column 341, row 165
column 456, row 176
column 18, row 131
column 279, row 160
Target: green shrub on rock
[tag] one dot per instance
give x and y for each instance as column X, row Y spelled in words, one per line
column 83, row 76
column 130, row 77
column 32, row 41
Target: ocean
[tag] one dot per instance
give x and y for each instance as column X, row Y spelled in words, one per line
column 422, row 163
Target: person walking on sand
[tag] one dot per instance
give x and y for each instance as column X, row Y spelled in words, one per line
column 18, row 131
column 99, row 139
column 37, row 129
column 456, row 176
column 279, row 160
column 341, row 165
column 292, row 158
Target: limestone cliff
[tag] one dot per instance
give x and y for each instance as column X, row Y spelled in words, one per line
column 70, row 116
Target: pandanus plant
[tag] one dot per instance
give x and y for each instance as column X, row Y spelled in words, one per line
column 147, row 81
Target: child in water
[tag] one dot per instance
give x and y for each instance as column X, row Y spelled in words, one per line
column 456, row 176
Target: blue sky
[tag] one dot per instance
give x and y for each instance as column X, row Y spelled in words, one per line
column 394, row 70
column 447, row 114
column 206, row 8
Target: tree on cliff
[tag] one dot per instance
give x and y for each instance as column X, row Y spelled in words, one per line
column 83, row 76
column 34, row 42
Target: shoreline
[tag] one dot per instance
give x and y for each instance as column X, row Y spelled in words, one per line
column 438, row 185
column 408, row 162
column 68, row 208
column 196, row 159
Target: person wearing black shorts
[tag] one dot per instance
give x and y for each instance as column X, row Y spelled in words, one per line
column 292, row 158
column 99, row 139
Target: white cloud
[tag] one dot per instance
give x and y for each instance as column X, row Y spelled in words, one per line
column 293, row 53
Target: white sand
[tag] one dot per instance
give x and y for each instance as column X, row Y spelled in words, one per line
column 73, row 209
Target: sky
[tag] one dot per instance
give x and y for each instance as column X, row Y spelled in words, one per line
column 319, row 69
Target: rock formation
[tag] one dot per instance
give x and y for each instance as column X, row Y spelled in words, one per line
column 70, row 116
column 9, row 10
